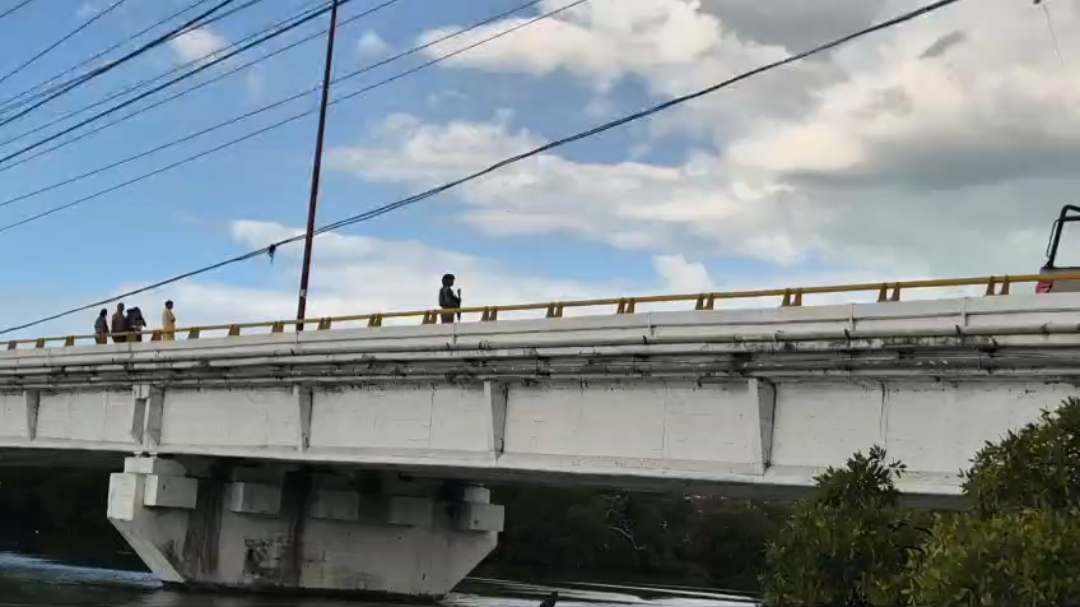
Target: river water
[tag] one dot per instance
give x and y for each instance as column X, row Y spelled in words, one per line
column 33, row 582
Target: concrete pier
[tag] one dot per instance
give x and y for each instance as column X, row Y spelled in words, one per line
column 293, row 530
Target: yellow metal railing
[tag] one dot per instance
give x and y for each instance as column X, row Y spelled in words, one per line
column 886, row 292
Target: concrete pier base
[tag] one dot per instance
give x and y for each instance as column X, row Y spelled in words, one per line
column 260, row 530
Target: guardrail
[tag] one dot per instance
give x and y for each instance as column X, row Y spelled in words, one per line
column 887, row 292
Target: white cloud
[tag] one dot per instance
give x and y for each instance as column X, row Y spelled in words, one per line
column 370, row 44
column 198, row 44
column 935, row 147
column 683, row 276
column 626, row 205
column 672, row 46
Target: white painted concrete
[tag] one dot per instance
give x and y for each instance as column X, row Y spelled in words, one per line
column 747, row 400
column 401, row 545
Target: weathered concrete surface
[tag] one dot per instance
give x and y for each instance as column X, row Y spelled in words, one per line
column 298, row 534
column 751, row 401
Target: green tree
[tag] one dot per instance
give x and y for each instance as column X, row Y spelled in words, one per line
column 1036, row 467
column 1020, row 545
column 622, row 536
column 1016, row 557
column 849, row 544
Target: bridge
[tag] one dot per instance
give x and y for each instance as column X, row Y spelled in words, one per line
column 356, row 458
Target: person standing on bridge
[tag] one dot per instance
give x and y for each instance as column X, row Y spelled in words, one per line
column 168, row 323
column 448, row 300
column 101, row 327
column 119, row 325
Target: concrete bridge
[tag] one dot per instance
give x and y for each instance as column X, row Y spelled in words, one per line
column 356, row 459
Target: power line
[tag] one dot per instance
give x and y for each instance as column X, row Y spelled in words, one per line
column 15, row 8
column 158, row 103
column 271, row 106
column 367, row 216
column 201, row 68
column 176, row 69
column 80, row 80
column 62, row 40
column 64, row 87
column 9, row 102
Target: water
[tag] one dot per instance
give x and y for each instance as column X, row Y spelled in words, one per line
column 33, row 582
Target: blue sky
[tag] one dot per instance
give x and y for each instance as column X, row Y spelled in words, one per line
column 836, row 170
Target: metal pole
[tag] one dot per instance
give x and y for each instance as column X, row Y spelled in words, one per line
column 316, row 170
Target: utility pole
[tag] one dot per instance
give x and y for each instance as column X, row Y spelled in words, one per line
column 316, row 170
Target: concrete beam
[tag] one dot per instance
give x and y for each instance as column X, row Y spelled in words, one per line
column 170, row 492
column 304, row 403
column 32, row 403
column 154, row 465
column 253, row 498
column 496, row 394
column 763, row 397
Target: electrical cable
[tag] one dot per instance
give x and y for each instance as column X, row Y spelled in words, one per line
column 148, row 81
column 160, row 102
column 178, row 68
column 62, row 40
column 367, row 216
column 269, row 107
column 95, row 73
column 201, row 68
column 15, row 8
column 14, row 101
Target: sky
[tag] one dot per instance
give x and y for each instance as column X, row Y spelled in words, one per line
column 941, row 148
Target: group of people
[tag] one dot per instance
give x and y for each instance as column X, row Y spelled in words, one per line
column 130, row 325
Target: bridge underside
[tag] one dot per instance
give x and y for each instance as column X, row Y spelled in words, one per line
column 108, row 462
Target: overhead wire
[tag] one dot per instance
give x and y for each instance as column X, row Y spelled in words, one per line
column 15, row 8
column 367, row 216
column 205, row 66
column 63, row 39
column 183, row 66
column 178, row 68
column 160, row 102
column 16, row 100
column 74, row 83
column 279, row 103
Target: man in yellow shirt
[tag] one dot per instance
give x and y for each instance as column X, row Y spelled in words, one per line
column 168, row 323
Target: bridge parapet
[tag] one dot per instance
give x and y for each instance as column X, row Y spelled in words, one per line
column 991, row 286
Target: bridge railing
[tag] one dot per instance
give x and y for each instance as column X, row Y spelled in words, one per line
column 789, row 297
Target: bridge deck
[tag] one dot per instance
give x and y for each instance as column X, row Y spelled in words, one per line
column 751, row 401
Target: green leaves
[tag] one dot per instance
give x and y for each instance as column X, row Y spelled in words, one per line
column 1037, row 467
column 849, row 544
column 1018, row 557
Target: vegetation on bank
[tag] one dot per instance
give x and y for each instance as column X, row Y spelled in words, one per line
column 851, row 543
column 1019, row 543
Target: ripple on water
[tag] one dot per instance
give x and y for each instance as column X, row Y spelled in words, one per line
column 35, row 582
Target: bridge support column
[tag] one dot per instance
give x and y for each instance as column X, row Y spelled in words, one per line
column 301, row 532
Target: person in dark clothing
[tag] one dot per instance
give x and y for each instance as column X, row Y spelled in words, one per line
column 136, row 323
column 101, row 327
column 119, row 325
column 551, row 600
column 448, row 300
